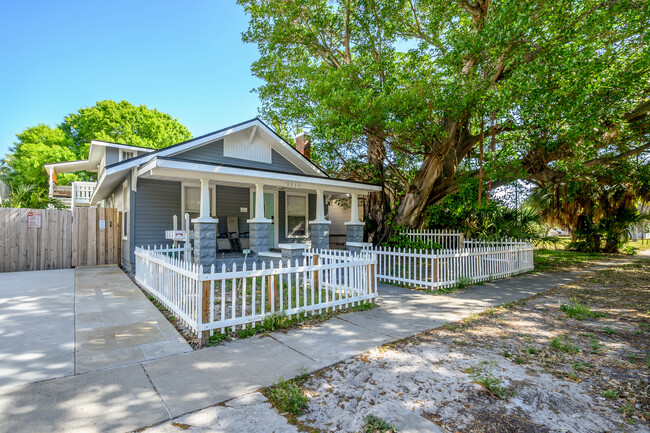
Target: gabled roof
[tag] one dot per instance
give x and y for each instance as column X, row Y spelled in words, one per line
column 284, row 148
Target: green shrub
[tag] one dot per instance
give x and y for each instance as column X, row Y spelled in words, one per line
column 575, row 310
column 482, row 374
column 286, row 396
column 375, row 424
column 563, row 343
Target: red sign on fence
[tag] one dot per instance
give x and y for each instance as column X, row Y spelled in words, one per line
column 34, row 220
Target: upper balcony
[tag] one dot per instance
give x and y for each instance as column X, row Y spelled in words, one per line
column 74, row 195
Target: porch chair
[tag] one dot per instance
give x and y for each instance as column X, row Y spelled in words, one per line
column 233, row 233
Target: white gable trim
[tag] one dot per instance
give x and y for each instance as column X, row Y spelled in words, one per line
column 192, row 170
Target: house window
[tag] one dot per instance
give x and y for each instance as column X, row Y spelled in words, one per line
column 125, row 154
column 296, row 212
column 191, row 199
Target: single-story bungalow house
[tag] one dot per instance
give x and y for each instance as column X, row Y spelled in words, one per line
column 244, row 177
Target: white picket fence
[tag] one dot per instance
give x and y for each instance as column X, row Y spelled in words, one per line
column 435, row 269
column 221, row 299
column 447, row 239
column 445, row 268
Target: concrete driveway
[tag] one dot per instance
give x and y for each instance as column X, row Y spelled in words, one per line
column 64, row 322
column 36, row 326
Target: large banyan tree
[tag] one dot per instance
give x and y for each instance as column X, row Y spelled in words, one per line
column 400, row 92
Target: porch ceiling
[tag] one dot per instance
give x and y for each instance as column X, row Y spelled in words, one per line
column 176, row 170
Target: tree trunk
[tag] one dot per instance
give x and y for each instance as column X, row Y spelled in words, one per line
column 378, row 202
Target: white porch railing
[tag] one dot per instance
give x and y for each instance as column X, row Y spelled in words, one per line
column 75, row 194
column 207, row 301
column 82, row 193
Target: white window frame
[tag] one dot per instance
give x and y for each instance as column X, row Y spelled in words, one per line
column 129, row 154
column 286, row 214
column 125, row 210
column 213, row 196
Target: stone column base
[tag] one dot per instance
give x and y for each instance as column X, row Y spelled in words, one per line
column 258, row 232
column 320, row 234
column 205, row 243
column 292, row 252
column 354, row 231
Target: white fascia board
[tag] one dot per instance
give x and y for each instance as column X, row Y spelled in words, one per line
column 120, row 146
column 100, row 181
column 70, row 166
column 197, row 171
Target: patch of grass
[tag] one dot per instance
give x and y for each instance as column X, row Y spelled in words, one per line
column 463, row 282
column 374, row 424
column 578, row 311
column 609, row 330
column 647, row 361
column 562, row 343
column 597, row 347
column 611, row 394
column 532, row 350
column 562, row 260
column 581, row 366
column 519, row 360
column 506, row 354
column 482, row 374
column 286, row 396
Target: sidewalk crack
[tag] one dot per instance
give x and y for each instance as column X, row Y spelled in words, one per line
column 169, row 414
column 295, row 350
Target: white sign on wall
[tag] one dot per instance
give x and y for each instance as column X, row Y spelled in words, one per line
column 102, row 224
column 34, row 220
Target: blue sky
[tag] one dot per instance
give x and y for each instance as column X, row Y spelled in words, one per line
column 183, row 58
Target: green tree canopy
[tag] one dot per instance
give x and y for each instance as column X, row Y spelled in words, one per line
column 118, row 122
column 400, row 92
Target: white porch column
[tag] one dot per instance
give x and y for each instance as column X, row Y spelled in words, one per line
column 354, row 208
column 259, row 202
column 320, row 206
column 51, row 182
column 204, row 213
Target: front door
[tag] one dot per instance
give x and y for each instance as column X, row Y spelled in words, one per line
column 269, row 213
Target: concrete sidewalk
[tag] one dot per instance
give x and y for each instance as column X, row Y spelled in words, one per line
column 135, row 396
column 115, row 323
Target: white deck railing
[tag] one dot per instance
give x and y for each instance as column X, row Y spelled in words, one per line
column 221, row 299
column 82, row 192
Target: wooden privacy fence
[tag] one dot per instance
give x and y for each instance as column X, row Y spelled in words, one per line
column 221, row 299
column 40, row 239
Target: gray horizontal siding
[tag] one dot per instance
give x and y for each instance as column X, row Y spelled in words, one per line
column 229, row 202
column 156, row 204
column 213, row 153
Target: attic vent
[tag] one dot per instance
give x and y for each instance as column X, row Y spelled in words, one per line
column 125, row 154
